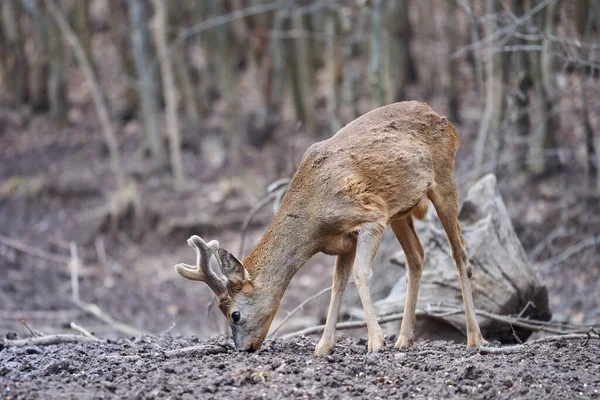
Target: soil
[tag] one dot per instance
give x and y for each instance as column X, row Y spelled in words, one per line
column 287, row 368
column 55, row 181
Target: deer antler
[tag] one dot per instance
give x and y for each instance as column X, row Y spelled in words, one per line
column 202, row 270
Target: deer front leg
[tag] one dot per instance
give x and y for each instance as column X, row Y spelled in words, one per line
column 341, row 272
column 367, row 244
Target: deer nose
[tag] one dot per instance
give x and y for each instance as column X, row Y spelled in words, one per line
column 251, row 349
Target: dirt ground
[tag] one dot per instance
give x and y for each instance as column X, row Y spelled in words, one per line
column 153, row 369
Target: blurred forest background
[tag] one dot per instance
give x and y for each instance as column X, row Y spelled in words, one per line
column 128, row 125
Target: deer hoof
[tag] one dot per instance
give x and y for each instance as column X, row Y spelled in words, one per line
column 323, row 349
column 404, row 342
column 376, row 342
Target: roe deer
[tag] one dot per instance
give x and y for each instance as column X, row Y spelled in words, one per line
column 382, row 168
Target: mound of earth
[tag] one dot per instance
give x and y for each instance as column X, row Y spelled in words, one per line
column 191, row 369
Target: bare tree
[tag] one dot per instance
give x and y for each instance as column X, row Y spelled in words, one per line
column 15, row 64
column 377, row 56
column 583, row 20
column 495, row 98
column 168, row 81
column 331, row 65
column 148, row 80
column 524, row 85
column 452, row 37
column 119, row 28
column 300, row 67
column 403, row 68
column 101, row 108
column 177, row 13
column 543, row 156
column 57, row 91
column 82, row 26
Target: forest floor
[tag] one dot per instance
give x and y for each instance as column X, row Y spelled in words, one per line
column 55, row 185
column 192, row 369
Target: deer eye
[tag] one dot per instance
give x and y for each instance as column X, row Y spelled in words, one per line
column 236, row 317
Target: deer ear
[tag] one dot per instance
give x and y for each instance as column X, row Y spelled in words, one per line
column 233, row 270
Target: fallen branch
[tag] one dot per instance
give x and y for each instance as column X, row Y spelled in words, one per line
column 45, row 340
column 33, row 251
column 95, row 311
column 502, row 350
column 573, row 250
column 440, row 313
column 201, row 350
column 40, row 314
column 546, row 339
column 84, row 332
column 91, row 308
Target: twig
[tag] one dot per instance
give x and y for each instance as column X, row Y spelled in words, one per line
column 47, row 340
column 74, row 268
column 501, row 350
column 348, row 325
column 91, row 308
column 33, row 332
column 438, row 312
column 571, row 251
column 163, row 333
column 33, row 251
column 517, row 338
column 94, row 310
column 201, row 350
column 300, row 307
column 84, row 332
column 589, row 336
column 40, row 314
column 569, row 336
column 546, row 339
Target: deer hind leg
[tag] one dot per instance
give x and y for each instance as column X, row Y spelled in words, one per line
column 367, row 244
column 404, row 231
column 445, row 200
column 341, row 272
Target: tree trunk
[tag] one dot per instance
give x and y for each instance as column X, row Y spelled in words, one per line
column 302, row 76
column 524, row 85
column 489, row 141
column 148, row 80
column 544, row 157
column 178, row 15
column 504, row 282
column 102, row 109
column 83, row 27
column 377, row 56
column 119, row 27
column 352, row 33
column 57, row 91
column 168, row 81
column 403, row 68
column 39, row 98
column 227, row 84
column 474, row 38
column 583, row 20
column 16, row 66
column 331, row 65
column 452, row 36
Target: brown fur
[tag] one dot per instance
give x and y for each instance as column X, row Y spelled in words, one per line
column 383, row 168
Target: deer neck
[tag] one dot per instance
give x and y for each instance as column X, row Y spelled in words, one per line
column 281, row 252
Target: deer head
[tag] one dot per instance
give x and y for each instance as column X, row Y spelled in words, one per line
column 248, row 311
